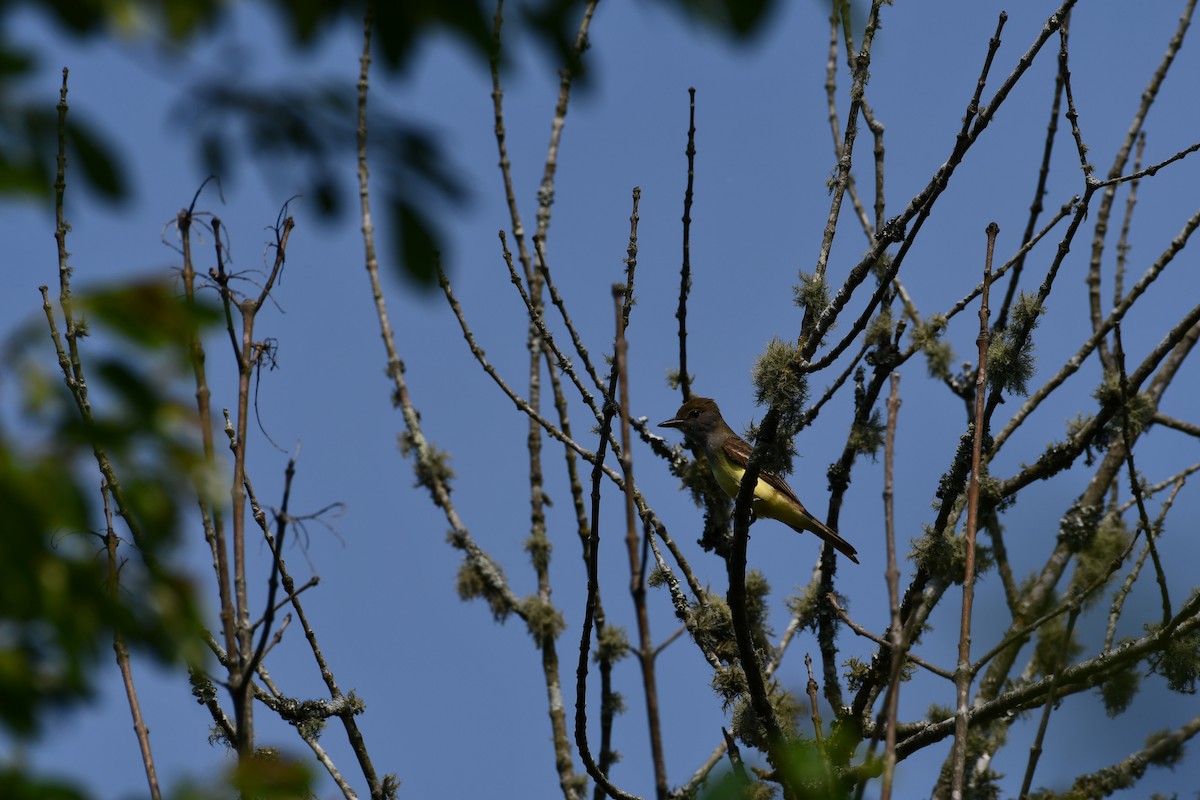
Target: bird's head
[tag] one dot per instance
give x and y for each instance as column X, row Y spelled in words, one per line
column 696, row 419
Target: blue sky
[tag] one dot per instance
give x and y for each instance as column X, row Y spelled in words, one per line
column 455, row 702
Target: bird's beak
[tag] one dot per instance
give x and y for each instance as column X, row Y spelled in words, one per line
column 670, row 423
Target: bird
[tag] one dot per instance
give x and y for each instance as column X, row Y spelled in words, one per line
column 701, row 423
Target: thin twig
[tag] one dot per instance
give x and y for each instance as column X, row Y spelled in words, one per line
column 685, row 270
column 1072, row 365
column 635, row 540
column 1035, row 749
column 1126, row 772
column 897, row 656
column 281, row 521
column 1135, row 485
column 1146, row 100
column 122, row 652
column 845, row 157
column 892, row 576
column 1078, row 677
column 1173, row 481
column 1167, row 421
column 963, row 670
column 581, row 670
column 1123, row 245
column 920, row 206
column 1035, row 207
column 815, row 711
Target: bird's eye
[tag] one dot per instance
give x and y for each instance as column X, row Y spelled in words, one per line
column 695, row 412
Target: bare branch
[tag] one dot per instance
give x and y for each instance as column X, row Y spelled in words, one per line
column 962, row 674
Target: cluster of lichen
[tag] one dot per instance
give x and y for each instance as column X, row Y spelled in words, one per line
column 779, row 385
column 711, row 624
column 1010, row 353
column 473, row 581
column 944, row 557
column 431, row 465
column 982, row 741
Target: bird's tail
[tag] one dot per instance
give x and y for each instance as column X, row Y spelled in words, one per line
column 831, row 536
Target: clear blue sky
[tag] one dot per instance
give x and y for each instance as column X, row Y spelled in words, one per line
column 455, row 703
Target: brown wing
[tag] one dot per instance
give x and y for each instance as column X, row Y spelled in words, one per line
column 738, row 451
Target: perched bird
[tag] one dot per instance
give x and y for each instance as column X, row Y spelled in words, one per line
column 700, row 421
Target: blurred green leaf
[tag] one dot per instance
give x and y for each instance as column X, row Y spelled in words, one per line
column 14, row 62
column 417, row 248
column 57, row 610
column 150, row 313
column 402, row 26
column 98, row 160
column 29, row 151
column 741, row 18
column 177, row 19
column 21, row 177
column 17, row 785
column 270, row 774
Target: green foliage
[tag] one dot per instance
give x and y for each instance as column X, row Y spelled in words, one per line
column 729, row 683
column 657, row 578
column 697, row 478
column 539, row 547
column 810, row 771
column 1078, row 527
column 472, row 582
column 980, row 784
column 1049, row 655
column 675, row 379
column 60, row 606
column 882, row 265
column 613, row 705
column 420, row 243
column 732, row 786
column 934, row 553
column 542, row 619
column 1179, row 661
column 804, row 606
column 856, row 673
column 1169, row 756
column 881, row 330
column 866, row 437
column 303, row 130
column 711, row 625
column 431, row 466
column 1010, row 353
column 742, row 18
column 812, row 293
column 779, row 385
column 928, row 337
column 757, row 591
column 1119, row 688
column 951, row 482
column 269, row 774
column 1094, row 562
column 28, row 146
column 16, row 784
column 945, row 556
column 1139, row 406
column 745, row 725
column 612, row 644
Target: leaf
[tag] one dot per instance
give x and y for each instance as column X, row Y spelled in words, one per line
column 417, row 245
column 99, row 162
column 150, row 313
column 271, row 775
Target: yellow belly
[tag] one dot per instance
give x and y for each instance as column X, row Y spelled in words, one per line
column 769, row 502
